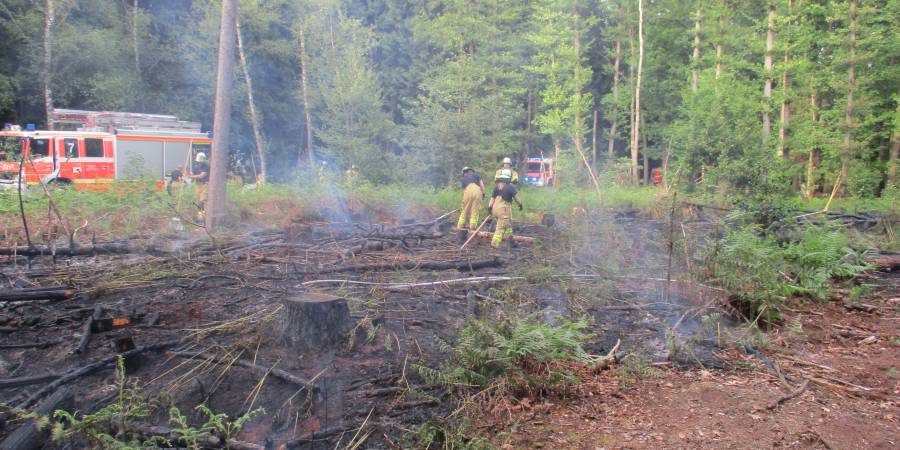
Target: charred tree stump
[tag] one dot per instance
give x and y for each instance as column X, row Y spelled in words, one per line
column 311, row 321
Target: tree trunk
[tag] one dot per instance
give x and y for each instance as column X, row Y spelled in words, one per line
column 631, row 140
column 895, row 152
column 610, row 149
column 720, row 50
column 134, row 42
column 695, row 59
column 594, row 138
column 767, row 90
column 254, row 117
column 785, row 86
column 579, row 120
column 529, row 115
column 46, row 69
column 847, row 153
column 306, row 106
column 218, row 170
column 644, row 153
column 637, row 92
column 313, row 322
column 813, row 152
column 556, row 152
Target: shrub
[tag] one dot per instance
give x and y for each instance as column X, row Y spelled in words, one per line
column 760, row 273
column 509, row 350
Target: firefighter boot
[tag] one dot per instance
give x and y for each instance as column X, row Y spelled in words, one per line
column 462, row 236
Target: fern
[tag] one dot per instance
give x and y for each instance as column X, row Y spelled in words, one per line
column 485, row 352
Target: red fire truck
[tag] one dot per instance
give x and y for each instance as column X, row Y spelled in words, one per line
column 90, row 149
column 539, row 171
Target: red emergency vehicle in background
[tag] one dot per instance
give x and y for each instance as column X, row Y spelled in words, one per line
column 539, row 171
column 93, row 149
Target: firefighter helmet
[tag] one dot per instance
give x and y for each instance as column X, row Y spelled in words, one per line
column 466, row 169
column 201, row 157
column 507, row 160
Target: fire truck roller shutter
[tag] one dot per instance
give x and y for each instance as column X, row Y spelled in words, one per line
column 139, row 159
column 175, row 154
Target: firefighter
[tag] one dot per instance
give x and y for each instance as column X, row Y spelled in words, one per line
column 500, row 207
column 473, row 193
column 176, row 178
column 200, row 176
column 507, row 172
column 323, row 173
column 350, row 176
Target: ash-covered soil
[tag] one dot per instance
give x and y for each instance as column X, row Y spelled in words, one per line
column 212, row 311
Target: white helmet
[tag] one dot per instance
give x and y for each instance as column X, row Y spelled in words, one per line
column 507, row 160
column 201, row 157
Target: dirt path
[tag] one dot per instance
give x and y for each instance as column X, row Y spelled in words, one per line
column 850, row 357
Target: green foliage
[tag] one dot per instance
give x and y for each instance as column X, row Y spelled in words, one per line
column 486, row 352
column 439, row 435
column 111, row 426
column 761, row 273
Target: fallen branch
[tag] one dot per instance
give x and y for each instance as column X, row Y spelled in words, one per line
column 25, row 295
column 27, row 381
column 87, row 370
column 86, row 331
column 488, row 234
column 793, row 394
column 276, row 373
column 407, row 286
column 461, row 266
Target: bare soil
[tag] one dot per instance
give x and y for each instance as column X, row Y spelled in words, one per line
column 851, row 401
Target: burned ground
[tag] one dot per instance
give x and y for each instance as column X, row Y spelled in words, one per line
column 212, row 311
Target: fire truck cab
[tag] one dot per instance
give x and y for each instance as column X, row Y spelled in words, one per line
column 101, row 147
column 539, row 171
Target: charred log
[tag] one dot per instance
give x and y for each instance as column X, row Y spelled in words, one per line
column 25, row 295
column 28, row 436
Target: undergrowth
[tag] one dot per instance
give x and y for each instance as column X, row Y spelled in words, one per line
column 513, row 351
column 117, row 425
column 761, row 272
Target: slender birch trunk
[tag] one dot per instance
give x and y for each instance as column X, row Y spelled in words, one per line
column 134, row 38
column 306, row 106
column 644, row 153
column 46, row 69
column 254, row 117
column 579, row 120
column 767, row 90
column 785, row 87
column 215, row 205
column 895, row 152
column 695, row 58
column 847, row 153
column 594, row 138
column 637, row 92
column 610, row 148
column 720, row 47
column 631, row 141
column 813, row 152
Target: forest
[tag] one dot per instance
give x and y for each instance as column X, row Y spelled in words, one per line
column 724, row 95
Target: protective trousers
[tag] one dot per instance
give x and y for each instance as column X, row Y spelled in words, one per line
column 502, row 212
column 471, row 206
column 201, row 189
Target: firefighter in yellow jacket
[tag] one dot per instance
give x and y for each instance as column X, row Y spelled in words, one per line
column 500, row 206
column 507, row 172
column 473, row 193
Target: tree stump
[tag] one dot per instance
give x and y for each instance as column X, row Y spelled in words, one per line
column 311, row 321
